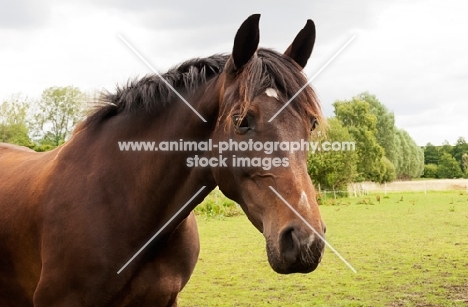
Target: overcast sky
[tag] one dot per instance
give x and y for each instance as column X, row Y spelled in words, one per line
column 413, row 57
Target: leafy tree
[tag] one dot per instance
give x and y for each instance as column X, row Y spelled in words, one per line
column 389, row 170
column 59, row 109
column 465, row 164
column 430, row 171
column 460, row 148
column 385, row 124
column 446, row 147
column 410, row 157
column 448, row 167
column 431, row 154
column 356, row 116
column 13, row 121
column 333, row 169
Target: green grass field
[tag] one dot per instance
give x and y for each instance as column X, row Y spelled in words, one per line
column 409, row 250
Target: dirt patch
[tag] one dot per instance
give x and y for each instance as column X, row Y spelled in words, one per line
column 458, row 293
column 455, row 294
column 406, row 303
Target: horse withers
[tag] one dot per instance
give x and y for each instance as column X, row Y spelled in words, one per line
column 72, row 217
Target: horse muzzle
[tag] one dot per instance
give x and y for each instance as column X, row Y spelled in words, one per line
column 296, row 250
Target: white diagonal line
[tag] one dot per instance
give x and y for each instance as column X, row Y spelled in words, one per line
column 315, row 231
column 159, row 75
column 162, row 228
column 313, row 77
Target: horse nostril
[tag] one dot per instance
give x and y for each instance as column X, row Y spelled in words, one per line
column 324, row 227
column 289, row 245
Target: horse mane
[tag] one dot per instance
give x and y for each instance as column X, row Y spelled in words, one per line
column 150, row 93
column 268, row 69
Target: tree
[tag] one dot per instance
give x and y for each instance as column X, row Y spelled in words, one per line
column 460, row 148
column 431, row 154
column 59, row 109
column 333, row 169
column 389, row 174
column 356, row 116
column 13, row 121
column 410, row 157
column 385, row 124
column 465, row 164
column 446, row 147
column 448, row 167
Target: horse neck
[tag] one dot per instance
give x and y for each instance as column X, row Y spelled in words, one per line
column 150, row 183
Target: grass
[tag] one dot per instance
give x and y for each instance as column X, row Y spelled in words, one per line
column 411, row 249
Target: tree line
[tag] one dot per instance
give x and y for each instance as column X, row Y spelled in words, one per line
column 45, row 123
column 446, row 161
column 383, row 152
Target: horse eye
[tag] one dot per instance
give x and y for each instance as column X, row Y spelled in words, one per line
column 314, row 124
column 241, row 123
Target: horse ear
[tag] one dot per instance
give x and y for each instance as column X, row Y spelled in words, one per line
column 301, row 48
column 245, row 42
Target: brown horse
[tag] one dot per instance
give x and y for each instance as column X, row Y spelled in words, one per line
column 72, row 217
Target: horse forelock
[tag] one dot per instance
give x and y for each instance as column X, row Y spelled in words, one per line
column 271, row 72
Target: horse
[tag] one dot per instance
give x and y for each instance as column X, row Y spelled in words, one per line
column 70, row 218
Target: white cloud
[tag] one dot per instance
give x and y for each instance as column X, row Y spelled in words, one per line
column 415, row 61
column 412, row 56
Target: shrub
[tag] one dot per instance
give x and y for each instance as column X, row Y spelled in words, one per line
column 216, row 205
column 430, row 171
column 448, row 167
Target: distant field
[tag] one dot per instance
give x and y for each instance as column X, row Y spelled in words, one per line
column 420, row 185
column 409, row 250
